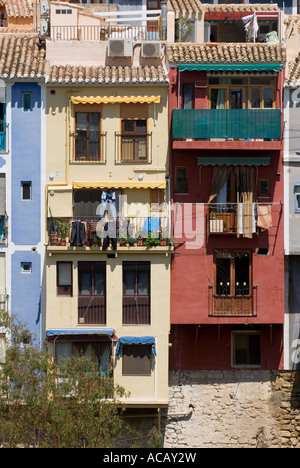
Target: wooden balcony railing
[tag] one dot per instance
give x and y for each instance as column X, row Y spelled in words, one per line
column 241, row 304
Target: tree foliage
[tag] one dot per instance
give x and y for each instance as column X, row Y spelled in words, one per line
column 47, row 404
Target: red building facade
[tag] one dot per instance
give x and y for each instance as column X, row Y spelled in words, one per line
column 227, row 280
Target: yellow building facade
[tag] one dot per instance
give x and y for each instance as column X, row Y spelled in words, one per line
column 108, row 297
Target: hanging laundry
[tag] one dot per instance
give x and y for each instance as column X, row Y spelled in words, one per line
column 251, row 27
column 78, row 233
column 108, row 203
column 264, row 216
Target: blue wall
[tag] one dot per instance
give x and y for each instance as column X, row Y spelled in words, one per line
column 26, row 214
column 25, row 291
column 26, row 165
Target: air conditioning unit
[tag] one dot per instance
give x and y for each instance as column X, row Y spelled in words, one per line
column 151, row 49
column 120, row 47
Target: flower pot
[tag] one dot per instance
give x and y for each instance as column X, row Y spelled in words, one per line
column 163, row 241
column 140, row 242
column 54, row 239
column 63, row 242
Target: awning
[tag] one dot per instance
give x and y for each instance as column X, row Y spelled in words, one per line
column 115, row 100
column 80, row 331
column 230, row 67
column 135, row 340
column 233, row 161
column 119, row 185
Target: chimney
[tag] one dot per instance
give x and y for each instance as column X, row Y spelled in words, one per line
column 163, row 6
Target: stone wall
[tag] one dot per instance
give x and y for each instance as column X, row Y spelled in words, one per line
column 234, row 409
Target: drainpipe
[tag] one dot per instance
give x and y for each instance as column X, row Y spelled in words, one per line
column 163, row 16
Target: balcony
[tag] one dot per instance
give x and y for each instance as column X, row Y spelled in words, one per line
column 206, row 128
column 135, row 148
column 238, row 218
column 3, row 136
column 222, row 303
column 124, row 233
column 103, row 33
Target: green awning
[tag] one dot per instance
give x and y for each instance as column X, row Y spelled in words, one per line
column 233, row 161
column 230, row 67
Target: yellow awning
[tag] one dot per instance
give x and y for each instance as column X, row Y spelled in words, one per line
column 119, row 185
column 116, row 100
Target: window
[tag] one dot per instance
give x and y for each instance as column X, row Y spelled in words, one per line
column 232, row 273
column 92, row 292
column 264, row 189
column 87, row 136
column 136, row 293
column 27, row 101
column 246, row 348
column 297, row 196
column 181, row 179
column 26, row 267
column 188, row 96
column 242, row 93
column 136, row 359
column 26, row 190
column 64, row 278
column 134, row 140
column 98, row 351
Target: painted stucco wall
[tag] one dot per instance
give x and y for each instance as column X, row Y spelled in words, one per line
column 62, row 312
column 26, row 153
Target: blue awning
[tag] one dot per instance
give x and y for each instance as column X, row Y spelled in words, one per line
column 80, row 331
column 136, row 340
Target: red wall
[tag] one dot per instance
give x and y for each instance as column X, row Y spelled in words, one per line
column 209, row 347
column 192, row 269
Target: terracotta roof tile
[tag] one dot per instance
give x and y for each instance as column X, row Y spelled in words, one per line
column 21, row 56
column 194, row 7
column 293, row 76
column 106, row 74
column 18, row 8
column 226, row 53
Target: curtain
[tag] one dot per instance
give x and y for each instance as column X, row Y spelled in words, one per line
column 245, row 207
column 220, row 176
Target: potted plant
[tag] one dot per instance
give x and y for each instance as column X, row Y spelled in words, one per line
column 122, row 242
column 163, row 237
column 151, row 241
column 63, row 231
column 140, row 236
column 131, row 241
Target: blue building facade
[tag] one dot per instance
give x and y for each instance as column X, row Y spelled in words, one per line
column 26, row 206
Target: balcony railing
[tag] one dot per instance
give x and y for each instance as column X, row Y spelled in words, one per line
column 103, row 33
column 224, row 304
column 92, row 232
column 133, row 148
column 238, row 218
column 243, row 124
column 3, row 136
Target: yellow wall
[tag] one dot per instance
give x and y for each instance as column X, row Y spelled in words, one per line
column 62, row 313
column 60, row 144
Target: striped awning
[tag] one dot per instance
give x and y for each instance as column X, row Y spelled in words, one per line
column 230, row 67
column 119, row 185
column 115, row 100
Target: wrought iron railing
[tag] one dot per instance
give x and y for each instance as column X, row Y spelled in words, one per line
column 135, row 148
column 242, row 303
column 93, row 231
